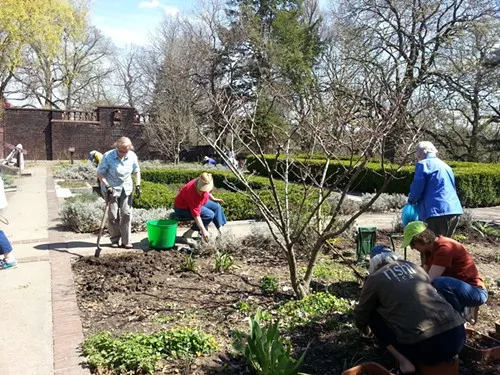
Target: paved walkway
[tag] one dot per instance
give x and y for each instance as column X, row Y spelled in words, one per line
column 41, row 330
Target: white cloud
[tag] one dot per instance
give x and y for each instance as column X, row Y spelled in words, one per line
column 122, row 36
column 149, row 4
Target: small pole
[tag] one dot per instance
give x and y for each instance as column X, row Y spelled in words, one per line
column 71, row 153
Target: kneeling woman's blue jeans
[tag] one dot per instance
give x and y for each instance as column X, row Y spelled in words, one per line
column 432, row 351
column 210, row 211
column 459, row 294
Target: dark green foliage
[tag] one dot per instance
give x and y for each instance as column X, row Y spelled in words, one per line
column 154, row 196
column 237, row 206
column 269, row 284
column 478, row 185
column 222, row 179
column 138, row 353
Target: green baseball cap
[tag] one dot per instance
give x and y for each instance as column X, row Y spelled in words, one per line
column 411, row 230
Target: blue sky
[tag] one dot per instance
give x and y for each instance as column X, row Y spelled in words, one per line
column 130, row 21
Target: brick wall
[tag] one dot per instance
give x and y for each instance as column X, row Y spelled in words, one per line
column 48, row 134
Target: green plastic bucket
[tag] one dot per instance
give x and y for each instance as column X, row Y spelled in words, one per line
column 161, row 233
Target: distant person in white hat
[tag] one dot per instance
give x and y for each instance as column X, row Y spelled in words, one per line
column 209, row 161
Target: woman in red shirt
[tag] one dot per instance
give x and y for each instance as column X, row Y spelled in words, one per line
column 450, row 266
column 195, row 201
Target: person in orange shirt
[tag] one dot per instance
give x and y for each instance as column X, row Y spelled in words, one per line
column 450, row 266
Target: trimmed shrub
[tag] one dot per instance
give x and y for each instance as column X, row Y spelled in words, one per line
column 478, row 184
column 222, row 179
column 237, row 206
column 385, row 202
column 140, row 217
column 154, row 195
column 78, row 171
column 348, row 207
column 82, row 217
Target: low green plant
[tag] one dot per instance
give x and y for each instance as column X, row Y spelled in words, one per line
column 77, row 171
column 331, row 271
column 487, row 229
column 313, row 308
column 243, row 306
column 269, row 284
column 84, row 198
column 460, row 237
column 189, row 264
column 266, row 351
column 164, row 319
column 139, row 353
column 223, row 262
column 8, row 180
column 72, row 184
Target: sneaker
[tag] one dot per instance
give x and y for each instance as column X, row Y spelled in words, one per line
column 115, row 245
column 129, row 246
column 5, row 264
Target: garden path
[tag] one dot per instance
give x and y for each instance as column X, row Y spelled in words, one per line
column 41, row 330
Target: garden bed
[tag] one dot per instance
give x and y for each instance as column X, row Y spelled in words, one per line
column 156, row 291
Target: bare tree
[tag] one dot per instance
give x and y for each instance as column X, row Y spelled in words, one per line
column 135, row 76
column 71, row 78
column 299, row 187
column 467, row 85
column 175, row 95
column 400, row 42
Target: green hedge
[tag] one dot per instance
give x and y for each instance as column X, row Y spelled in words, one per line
column 237, row 206
column 154, row 196
column 478, row 184
column 174, row 176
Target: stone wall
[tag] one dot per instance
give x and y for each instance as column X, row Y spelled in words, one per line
column 48, row 134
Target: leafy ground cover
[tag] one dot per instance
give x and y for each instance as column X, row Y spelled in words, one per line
column 216, row 291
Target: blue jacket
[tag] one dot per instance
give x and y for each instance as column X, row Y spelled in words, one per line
column 209, row 161
column 433, row 188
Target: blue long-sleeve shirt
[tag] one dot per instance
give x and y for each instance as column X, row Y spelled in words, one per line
column 433, row 189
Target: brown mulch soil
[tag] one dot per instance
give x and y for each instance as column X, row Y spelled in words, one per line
column 150, row 291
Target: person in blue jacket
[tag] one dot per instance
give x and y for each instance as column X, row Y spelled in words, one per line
column 433, row 190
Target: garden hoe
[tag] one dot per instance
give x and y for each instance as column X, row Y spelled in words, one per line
column 98, row 250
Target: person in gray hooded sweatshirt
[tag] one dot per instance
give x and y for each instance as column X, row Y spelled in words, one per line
column 408, row 317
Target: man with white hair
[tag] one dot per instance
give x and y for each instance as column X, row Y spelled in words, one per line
column 407, row 315
column 434, row 192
